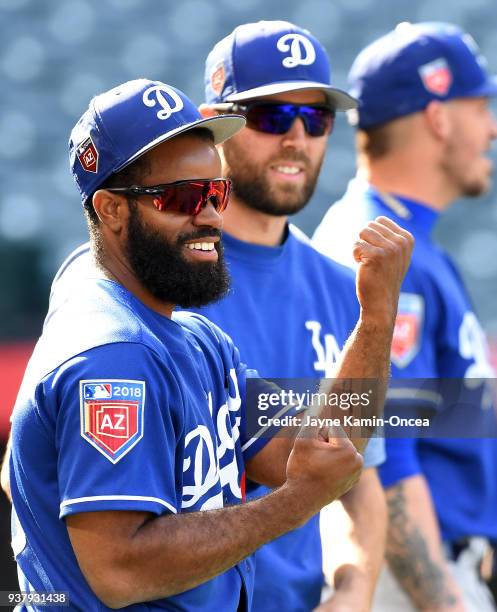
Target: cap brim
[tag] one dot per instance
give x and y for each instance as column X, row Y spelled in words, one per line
column 340, row 100
column 221, row 127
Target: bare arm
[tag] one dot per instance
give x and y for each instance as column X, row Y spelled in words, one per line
column 129, row 557
column 383, row 252
column 414, row 551
column 354, row 532
column 4, row 477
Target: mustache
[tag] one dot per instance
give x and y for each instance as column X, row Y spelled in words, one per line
column 203, row 232
column 292, row 155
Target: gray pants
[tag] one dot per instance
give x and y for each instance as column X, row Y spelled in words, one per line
column 390, row 597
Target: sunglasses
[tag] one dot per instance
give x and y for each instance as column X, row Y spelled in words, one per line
column 275, row 118
column 188, row 197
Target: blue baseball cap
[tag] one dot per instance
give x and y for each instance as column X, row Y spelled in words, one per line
column 269, row 57
column 403, row 71
column 126, row 122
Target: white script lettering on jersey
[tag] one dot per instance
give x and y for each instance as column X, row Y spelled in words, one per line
column 473, row 345
column 213, row 464
column 162, row 95
column 296, row 44
column 327, row 354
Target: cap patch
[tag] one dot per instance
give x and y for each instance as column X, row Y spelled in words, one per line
column 218, row 78
column 88, row 155
column 302, row 52
column 407, row 333
column 436, row 77
column 112, row 415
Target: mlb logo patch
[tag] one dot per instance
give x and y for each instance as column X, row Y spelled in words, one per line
column 407, row 332
column 88, row 155
column 218, row 77
column 436, row 77
column 112, row 415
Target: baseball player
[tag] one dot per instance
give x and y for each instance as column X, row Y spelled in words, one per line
column 128, row 435
column 424, row 129
column 301, row 306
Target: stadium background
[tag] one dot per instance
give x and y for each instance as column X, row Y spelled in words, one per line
column 56, row 54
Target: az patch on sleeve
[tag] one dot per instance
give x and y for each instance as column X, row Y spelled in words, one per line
column 112, row 415
column 408, row 329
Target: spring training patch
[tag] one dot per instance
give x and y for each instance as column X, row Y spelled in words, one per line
column 408, row 326
column 436, row 77
column 112, row 415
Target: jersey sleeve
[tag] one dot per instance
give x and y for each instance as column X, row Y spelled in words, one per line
column 402, row 461
column 118, row 419
column 374, row 455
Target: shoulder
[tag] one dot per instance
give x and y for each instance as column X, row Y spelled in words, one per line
column 203, row 330
column 315, row 261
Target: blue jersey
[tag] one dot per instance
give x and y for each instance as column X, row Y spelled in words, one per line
column 122, row 408
column 437, row 336
column 289, row 311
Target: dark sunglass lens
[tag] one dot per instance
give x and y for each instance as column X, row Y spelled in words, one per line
column 270, row 119
column 318, row 121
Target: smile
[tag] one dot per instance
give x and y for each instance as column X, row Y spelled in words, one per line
column 200, row 246
column 288, row 169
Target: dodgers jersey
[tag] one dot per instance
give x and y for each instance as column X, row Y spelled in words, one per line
column 289, row 311
column 122, row 408
column 437, row 336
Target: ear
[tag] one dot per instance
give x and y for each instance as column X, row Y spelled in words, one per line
column 206, row 111
column 437, row 119
column 111, row 208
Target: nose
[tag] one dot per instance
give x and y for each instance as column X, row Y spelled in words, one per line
column 296, row 136
column 208, row 216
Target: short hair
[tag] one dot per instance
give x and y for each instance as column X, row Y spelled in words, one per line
column 375, row 142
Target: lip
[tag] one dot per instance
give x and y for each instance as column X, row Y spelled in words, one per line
column 297, row 176
column 200, row 255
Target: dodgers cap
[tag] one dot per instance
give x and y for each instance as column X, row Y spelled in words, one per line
column 124, row 123
column 403, row 71
column 269, row 57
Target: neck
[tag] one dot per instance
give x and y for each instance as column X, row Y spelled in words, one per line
column 418, row 180
column 115, row 267
column 253, row 226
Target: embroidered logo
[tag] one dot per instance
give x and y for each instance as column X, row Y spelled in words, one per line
column 88, row 155
column 436, row 77
column 302, row 52
column 168, row 99
column 112, row 415
column 218, row 78
column 407, row 332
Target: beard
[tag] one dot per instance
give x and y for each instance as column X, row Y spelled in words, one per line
column 254, row 189
column 161, row 268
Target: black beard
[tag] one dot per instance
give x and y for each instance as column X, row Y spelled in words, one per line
column 166, row 274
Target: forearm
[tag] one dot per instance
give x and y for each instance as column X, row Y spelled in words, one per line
column 363, row 371
column 354, row 540
column 173, row 553
column 414, row 551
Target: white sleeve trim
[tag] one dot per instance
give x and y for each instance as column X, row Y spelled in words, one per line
column 261, row 431
column 95, row 498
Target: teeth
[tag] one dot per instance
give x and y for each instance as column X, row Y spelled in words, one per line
column 200, row 246
column 288, row 169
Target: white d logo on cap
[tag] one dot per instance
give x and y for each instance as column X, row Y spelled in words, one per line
column 161, row 91
column 296, row 43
